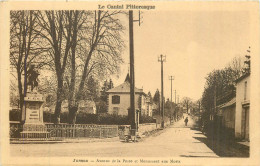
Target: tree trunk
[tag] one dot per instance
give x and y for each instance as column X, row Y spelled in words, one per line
column 73, row 106
column 72, row 114
column 59, row 101
column 57, row 112
column 20, row 88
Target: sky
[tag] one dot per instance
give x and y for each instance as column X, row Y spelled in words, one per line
column 194, row 42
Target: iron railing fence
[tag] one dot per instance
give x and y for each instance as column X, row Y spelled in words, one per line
column 71, row 131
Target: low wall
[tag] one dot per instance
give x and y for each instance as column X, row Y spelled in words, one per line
column 146, row 127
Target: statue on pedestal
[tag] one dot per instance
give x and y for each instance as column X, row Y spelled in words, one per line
column 32, row 114
column 32, row 77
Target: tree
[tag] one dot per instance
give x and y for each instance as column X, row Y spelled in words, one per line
column 156, row 100
column 156, row 97
column 169, row 108
column 111, row 84
column 25, row 48
column 198, row 105
column 149, row 95
column 100, row 53
column 220, row 87
column 102, row 102
column 92, row 89
column 104, row 88
column 14, row 98
column 59, row 30
column 187, row 102
column 48, row 89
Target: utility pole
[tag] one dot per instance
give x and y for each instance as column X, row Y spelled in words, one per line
column 171, row 78
column 175, row 96
column 132, row 71
column 162, row 59
column 133, row 118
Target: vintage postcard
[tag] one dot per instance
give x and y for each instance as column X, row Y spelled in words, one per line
column 130, row 83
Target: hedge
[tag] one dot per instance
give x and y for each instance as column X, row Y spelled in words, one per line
column 84, row 118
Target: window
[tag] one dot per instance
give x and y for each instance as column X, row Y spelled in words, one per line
column 245, row 90
column 115, row 99
column 115, row 110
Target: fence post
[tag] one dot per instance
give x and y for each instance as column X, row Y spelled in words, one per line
column 73, row 130
column 100, row 132
column 117, row 130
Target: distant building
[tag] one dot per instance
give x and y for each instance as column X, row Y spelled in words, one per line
column 87, row 106
column 119, row 99
column 242, row 107
column 149, row 107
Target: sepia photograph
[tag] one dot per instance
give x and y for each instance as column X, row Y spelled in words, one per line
column 130, row 83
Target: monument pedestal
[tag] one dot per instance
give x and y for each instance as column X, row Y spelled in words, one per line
column 33, row 128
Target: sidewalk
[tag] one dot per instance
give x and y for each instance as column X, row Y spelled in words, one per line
column 225, row 146
column 222, row 145
column 68, row 140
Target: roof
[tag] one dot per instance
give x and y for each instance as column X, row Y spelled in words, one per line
column 229, row 103
column 242, row 77
column 127, row 79
column 124, row 87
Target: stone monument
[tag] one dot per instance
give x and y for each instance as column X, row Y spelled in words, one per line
column 32, row 114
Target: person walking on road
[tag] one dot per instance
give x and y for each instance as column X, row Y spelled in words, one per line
column 186, row 121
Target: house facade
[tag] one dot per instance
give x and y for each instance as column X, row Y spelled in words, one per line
column 242, row 107
column 119, row 99
column 147, row 108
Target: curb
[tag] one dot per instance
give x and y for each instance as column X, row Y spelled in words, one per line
column 83, row 140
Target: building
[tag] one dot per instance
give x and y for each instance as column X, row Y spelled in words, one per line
column 149, row 107
column 119, row 99
column 226, row 113
column 242, row 107
column 87, row 106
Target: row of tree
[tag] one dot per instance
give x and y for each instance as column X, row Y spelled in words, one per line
column 78, row 47
column 220, row 84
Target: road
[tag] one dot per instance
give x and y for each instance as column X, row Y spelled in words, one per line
column 175, row 141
